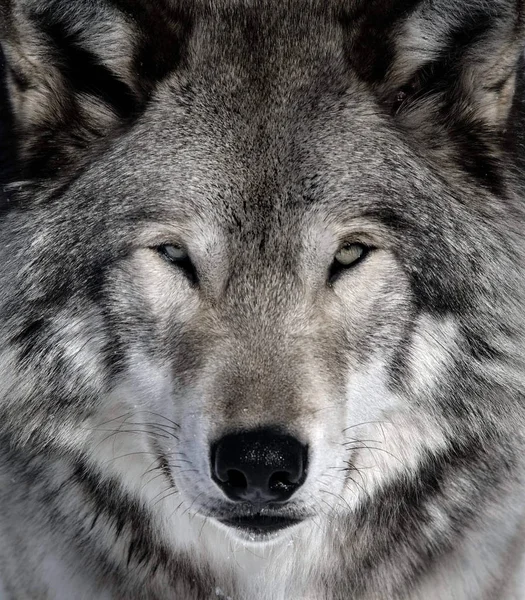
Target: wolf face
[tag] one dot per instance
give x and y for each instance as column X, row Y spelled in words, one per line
column 262, row 276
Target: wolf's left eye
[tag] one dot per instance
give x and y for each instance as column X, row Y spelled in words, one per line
column 348, row 256
column 178, row 256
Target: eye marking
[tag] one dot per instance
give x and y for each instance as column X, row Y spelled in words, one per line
column 347, row 257
column 179, row 257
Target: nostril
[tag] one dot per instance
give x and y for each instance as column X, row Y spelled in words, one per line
column 236, row 480
column 281, row 481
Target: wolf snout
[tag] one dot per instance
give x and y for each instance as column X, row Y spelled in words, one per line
column 259, row 466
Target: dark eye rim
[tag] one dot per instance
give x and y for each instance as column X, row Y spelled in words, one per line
column 337, row 269
column 185, row 264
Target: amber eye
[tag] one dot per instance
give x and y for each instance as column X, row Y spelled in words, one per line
column 178, row 256
column 348, row 256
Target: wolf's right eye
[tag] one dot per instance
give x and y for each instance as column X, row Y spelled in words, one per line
column 347, row 257
column 179, row 257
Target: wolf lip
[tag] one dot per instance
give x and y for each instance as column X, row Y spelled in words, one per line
column 260, row 524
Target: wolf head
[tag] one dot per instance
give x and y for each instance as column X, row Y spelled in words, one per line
column 272, row 250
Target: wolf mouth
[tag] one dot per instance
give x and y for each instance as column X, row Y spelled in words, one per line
column 259, row 524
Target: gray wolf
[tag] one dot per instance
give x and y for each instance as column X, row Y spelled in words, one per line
column 262, row 300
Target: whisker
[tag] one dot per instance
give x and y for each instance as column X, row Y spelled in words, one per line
column 124, row 416
column 164, row 496
column 144, row 452
column 385, row 451
column 361, row 442
column 339, row 497
column 143, row 431
column 365, row 423
column 161, row 416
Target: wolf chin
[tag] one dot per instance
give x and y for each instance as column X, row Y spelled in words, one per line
column 262, row 300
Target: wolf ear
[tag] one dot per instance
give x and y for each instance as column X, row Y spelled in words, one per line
column 76, row 70
column 446, row 69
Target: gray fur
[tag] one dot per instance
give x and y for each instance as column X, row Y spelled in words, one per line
column 261, row 136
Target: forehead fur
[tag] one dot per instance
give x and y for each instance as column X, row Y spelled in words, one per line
column 259, row 118
column 123, row 50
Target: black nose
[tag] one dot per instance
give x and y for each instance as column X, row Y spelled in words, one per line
column 259, row 466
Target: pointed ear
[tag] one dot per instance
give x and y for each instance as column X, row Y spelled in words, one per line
column 470, row 55
column 77, row 70
column 446, row 69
